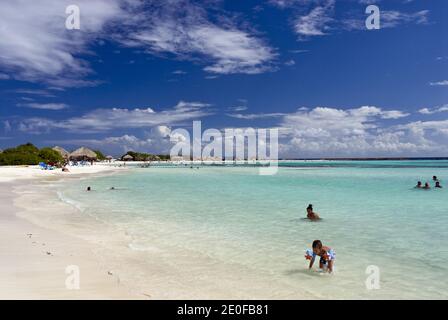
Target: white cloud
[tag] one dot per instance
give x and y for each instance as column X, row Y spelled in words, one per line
column 6, row 126
column 101, row 120
column 190, row 35
column 359, row 132
column 316, row 22
column 439, row 83
column 44, row 106
column 390, row 19
column 255, row 115
column 35, row 45
column 443, row 108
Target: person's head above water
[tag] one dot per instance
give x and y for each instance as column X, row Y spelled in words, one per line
column 434, row 178
column 317, row 246
column 88, row 188
column 438, row 185
column 309, row 208
column 427, row 185
column 419, row 183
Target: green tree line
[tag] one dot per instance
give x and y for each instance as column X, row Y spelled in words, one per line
column 28, row 154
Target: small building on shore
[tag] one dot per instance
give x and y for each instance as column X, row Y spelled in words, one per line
column 128, row 157
column 83, row 154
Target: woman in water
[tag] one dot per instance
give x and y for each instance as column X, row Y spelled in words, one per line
column 310, row 214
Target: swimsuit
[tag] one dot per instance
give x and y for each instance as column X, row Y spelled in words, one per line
column 330, row 253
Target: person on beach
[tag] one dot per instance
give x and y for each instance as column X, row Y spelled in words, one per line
column 438, row 185
column 326, row 254
column 310, row 214
column 426, row 187
column 419, row 185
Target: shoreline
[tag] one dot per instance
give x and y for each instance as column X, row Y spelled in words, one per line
column 38, row 261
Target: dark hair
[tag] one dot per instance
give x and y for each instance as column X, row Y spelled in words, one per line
column 317, row 244
column 310, row 206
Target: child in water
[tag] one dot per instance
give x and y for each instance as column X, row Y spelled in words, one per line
column 326, row 254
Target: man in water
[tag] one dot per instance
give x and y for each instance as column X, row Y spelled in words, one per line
column 310, row 214
column 434, row 178
column 89, row 189
column 438, row 185
column 419, row 185
column 427, row 187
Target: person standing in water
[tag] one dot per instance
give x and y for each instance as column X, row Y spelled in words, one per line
column 310, row 214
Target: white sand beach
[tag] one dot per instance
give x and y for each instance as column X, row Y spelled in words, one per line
column 35, row 259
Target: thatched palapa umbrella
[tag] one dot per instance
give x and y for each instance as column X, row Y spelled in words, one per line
column 64, row 153
column 83, row 154
column 128, row 157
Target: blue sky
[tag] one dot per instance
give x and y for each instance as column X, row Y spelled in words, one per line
column 136, row 70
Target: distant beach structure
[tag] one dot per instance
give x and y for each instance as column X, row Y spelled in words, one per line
column 83, row 154
column 64, row 153
column 128, row 157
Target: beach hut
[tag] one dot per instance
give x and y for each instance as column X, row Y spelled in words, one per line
column 128, row 157
column 64, row 153
column 83, row 154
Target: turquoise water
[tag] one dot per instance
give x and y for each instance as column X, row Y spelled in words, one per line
column 371, row 216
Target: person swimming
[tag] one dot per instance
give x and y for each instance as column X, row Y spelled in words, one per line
column 89, row 189
column 438, row 185
column 310, row 214
column 434, row 178
column 426, row 187
column 419, row 185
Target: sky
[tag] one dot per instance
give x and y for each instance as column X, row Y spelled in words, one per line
column 136, row 70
